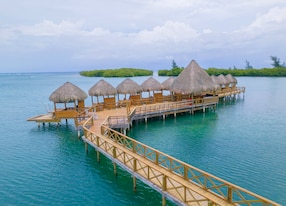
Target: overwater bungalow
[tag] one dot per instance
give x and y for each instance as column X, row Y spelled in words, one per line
column 131, row 88
column 192, row 83
column 154, row 86
column 167, row 86
column 107, row 91
column 68, row 101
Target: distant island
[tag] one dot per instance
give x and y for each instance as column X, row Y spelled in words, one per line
column 278, row 70
column 264, row 72
column 121, row 72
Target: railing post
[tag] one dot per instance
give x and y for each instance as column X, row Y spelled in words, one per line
column 164, row 188
column 185, row 172
column 229, row 194
column 157, row 158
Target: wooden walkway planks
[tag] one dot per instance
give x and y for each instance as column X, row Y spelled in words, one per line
column 174, row 179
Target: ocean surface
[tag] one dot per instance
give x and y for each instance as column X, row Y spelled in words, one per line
column 243, row 142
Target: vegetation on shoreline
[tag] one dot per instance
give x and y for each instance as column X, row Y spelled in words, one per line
column 278, row 70
column 122, row 72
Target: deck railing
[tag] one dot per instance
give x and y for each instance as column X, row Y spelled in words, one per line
column 209, row 183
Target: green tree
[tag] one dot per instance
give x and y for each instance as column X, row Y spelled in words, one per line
column 276, row 62
column 174, row 64
column 248, row 66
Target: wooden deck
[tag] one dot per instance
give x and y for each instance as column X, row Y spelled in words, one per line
column 174, row 179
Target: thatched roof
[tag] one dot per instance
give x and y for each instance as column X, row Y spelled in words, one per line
column 151, row 84
column 193, row 80
column 167, row 84
column 102, row 88
column 68, row 92
column 128, row 86
column 231, row 79
column 215, row 79
column 222, row 80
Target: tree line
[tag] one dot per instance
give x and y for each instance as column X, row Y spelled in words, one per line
column 122, row 72
column 278, row 70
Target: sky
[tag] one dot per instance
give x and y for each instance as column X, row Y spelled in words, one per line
column 71, row 35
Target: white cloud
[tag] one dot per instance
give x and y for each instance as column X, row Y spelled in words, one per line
column 169, row 32
column 152, row 30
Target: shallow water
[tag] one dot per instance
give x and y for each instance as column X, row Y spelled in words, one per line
column 242, row 142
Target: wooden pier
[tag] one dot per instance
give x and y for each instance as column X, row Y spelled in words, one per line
column 105, row 130
column 174, row 179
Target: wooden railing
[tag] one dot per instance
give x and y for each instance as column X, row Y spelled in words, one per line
column 170, row 175
column 175, row 106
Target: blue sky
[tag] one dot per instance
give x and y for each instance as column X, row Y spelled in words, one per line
column 39, row 36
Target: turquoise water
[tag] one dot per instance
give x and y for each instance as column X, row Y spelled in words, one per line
column 244, row 142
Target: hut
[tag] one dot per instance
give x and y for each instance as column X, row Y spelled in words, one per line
column 167, row 85
column 107, row 91
column 223, row 82
column 128, row 86
column 193, row 81
column 231, row 80
column 153, row 85
column 72, row 97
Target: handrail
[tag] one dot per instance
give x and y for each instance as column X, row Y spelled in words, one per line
column 223, row 189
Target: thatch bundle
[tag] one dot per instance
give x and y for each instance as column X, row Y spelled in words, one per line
column 167, row 84
column 222, row 80
column 128, row 86
column 68, row 92
column 231, row 79
column 102, row 88
column 151, row 84
column 193, row 80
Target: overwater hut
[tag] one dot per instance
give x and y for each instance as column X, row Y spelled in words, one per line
column 215, row 80
column 223, row 82
column 107, row 91
column 231, row 80
column 193, row 81
column 167, row 85
column 154, row 86
column 128, row 86
column 71, row 97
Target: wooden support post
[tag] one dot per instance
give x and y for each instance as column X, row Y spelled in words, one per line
column 145, row 119
column 98, row 155
column 229, row 194
column 134, row 183
column 163, row 200
column 114, row 169
column 164, row 188
column 175, row 114
column 164, row 116
column 39, row 124
column 86, row 147
column 78, row 132
column 114, row 164
column 66, row 121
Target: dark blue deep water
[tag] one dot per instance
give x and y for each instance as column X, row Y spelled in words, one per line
column 243, row 142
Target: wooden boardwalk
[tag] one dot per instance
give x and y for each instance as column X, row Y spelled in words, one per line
column 174, row 179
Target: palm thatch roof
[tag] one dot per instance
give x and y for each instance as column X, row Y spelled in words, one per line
column 151, row 84
column 68, row 92
column 231, row 79
column 128, row 86
column 214, row 78
column 102, row 88
column 167, row 84
column 193, row 80
column 222, row 80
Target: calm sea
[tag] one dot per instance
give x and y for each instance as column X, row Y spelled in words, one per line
column 243, row 142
